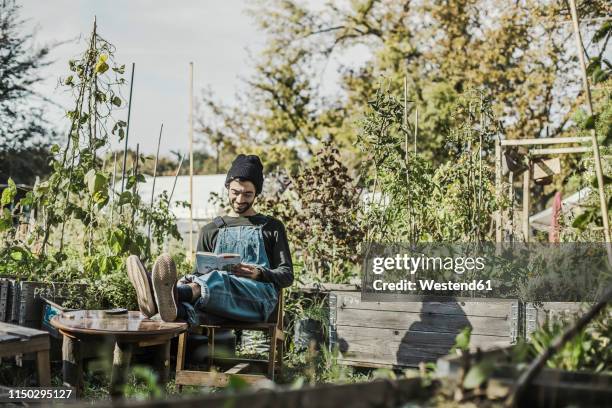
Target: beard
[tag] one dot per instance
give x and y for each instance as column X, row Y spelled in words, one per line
column 240, row 208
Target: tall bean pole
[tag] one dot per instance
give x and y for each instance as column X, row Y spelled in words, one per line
column 161, row 129
column 127, row 130
column 596, row 156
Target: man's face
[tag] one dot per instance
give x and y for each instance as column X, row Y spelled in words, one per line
column 241, row 195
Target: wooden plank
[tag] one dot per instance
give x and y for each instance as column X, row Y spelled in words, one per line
column 14, row 296
column 4, row 299
column 28, row 346
column 546, row 168
column 22, row 331
column 424, row 322
column 8, row 338
column 328, row 287
column 560, row 150
column 404, row 348
column 545, row 141
column 490, row 308
column 237, row 368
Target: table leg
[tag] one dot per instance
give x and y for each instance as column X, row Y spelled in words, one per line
column 121, row 363
column 72, row 363
column 43, row 368
column 162, row 358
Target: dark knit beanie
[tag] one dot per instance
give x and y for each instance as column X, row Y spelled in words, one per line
column 246, row 167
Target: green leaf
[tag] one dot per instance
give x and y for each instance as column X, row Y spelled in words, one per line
column 96, row 182
column 9, row 193
column 102, row 66
column 125, row 198
column 599, row 76
column 237, row 383
column 17, row 254
column 601, row 33
column 606, row 180
column 589, row 123
column 478, row 374
column 116, row 101
column 100, row 96
column 462, row 341
column 582, row 220
column 117, row 241
column 6, row 221
column 120, row 69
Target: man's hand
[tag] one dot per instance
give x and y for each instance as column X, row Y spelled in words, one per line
column 246, row 271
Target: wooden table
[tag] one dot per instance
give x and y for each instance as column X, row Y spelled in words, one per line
column 16, row 340
column 125, row 330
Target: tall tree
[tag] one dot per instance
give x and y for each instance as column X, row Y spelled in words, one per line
column 24, row 135
column 514, row 52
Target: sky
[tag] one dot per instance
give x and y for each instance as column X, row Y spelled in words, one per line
column 161, row 37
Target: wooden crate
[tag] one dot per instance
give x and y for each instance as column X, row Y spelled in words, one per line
column 537, row 314
column 402, row 334
column 26, row 302
column 4, row 299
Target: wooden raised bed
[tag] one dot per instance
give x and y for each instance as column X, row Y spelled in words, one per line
column 537, row 314
column 403, row 334
column 550, row 388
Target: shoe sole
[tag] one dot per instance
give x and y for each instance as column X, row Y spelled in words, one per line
column 164, row 287
column 138, row 277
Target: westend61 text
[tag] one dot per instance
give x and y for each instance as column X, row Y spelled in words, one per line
column 405, row 285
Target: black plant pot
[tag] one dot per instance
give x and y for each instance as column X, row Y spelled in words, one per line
column 307, row 331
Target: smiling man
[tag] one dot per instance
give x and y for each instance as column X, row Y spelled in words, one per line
column 250, row 291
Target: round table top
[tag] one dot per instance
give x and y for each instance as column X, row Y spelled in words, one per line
column 133, row 324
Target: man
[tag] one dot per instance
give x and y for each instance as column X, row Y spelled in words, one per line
column 250, row 291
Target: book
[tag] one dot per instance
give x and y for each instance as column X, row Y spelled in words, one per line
column 208, row 261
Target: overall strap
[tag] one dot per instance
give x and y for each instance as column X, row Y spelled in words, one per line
column 219, row 222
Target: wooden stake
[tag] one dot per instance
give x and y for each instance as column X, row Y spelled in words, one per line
column 510, row 224
column 113, row 187
column 191, row 161
column 405, row 123
column 416, row 127
column 135, row 187
column 127, row 130
column 178, row 170
column 526, row 181
column 161, row 129
column 587, row 90
column 498, row 181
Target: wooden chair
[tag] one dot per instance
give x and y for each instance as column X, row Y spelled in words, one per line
column 220, row 378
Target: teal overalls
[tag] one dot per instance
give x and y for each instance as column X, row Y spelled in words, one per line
column 230, row 297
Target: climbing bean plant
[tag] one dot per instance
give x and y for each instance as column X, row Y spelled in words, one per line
column 410, row 199
column 77, row 225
